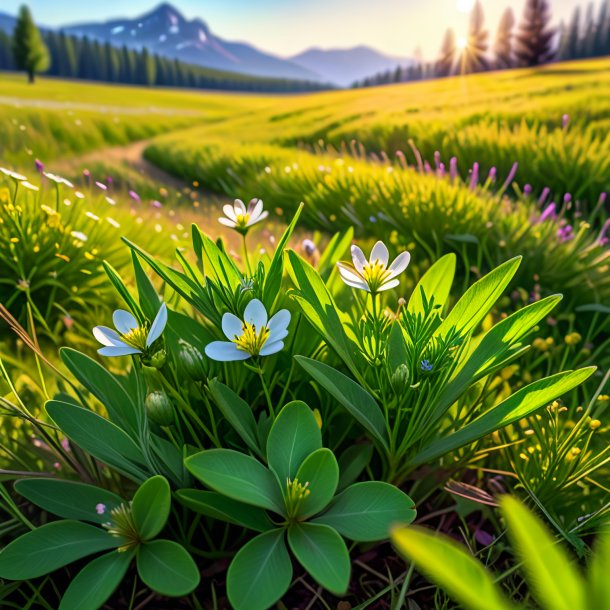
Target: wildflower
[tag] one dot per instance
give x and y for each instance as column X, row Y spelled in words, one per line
column 240, row 218
column 309, row 247
column 594, row 424
column 573, row 338
column 159, row 408
column 540, row 344
column 527, row 189
column 100, row 508
column 373, row 275
column 29, row 186
column 602, row 238
column 13, row 175
column 39, row 165
column 131, row 338
column 101, row 185
column 57, row 179
column 254, row 336
column 135, row 196
column 426, row 366
column 79, row 235
column 548, row 213
column 565, row 233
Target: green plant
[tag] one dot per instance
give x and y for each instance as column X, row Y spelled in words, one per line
column 96, row 520
column 298, row 488
column 555, row 583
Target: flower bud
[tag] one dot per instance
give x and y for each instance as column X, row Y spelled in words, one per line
column 400, row 378
column 157, row 360
column 191, row 360
column 159, row 408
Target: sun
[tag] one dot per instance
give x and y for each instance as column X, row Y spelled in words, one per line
column 464, row 6
column 462, row 42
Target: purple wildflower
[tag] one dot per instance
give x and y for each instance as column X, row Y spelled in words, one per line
column 135, row 196
column 426, row 366
column 309, row 247
column 549, row 213
column 39, row 165
column 545, row 193
column 565, row 121
column 156, row 204
column 101, row 185
column 100, row 508
column 565, row 233
column 527, row 189
column 492, row 174
column 474, row 180
column 453, row 170
column 602, row 240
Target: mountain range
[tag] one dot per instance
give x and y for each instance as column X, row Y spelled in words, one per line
column 165, row 31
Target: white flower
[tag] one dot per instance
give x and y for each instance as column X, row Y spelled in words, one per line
column 13, row 175
column 254, row 336
column 373, row 275
column 131, row 338
column 58, row 179
column 240, row 218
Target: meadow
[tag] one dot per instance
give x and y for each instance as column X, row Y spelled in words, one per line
column 279, row 420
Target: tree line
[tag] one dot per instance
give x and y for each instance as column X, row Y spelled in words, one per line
column 67, row 56
column 531, row 42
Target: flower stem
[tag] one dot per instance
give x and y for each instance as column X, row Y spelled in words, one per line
column 246, row 257
column 266, row 391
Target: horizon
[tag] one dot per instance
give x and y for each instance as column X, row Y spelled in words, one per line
column 255, row 25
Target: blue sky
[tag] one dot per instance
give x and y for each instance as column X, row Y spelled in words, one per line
column 286, row 27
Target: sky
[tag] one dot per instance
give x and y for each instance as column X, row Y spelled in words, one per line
column 286, row 27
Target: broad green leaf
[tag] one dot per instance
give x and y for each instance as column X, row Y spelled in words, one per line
column 599, row 569
column 436, row 282
column 237, row 476
column 322, row 552
column 69, row 499
column 237, row 412
column 365, row 512
column 147, row 295
column 321, row 472
column 223, row 268
column 353, row 397
column 593, row 308
column 221, row 507
column 352, row 463
column 517, row 406
column 120, row 287
column 450, row 566
column 166, row 567
column 260, row 573
column 294, row 435
column 478, row 300
column 273, row 277
column 122, row 409
column 334, row 251
column 96, row 582
column 150, row 507
column 99, row 437
column 555, row 583
column 52, row 546
column 397, row 348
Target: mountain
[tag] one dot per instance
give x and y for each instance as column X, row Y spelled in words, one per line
column 7, row 23
column 167, row 32
column 344, row 66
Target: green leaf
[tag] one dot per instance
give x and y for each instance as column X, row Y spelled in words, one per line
column 365, row 512
column 333, row 252
column 166, row 567
column 147, row 295
column 217, row 506
column 120, row 287
column 521, row 404
column 238, row 413
column 69, row 499
column 122, row 409
column 397, row 348
column 449, row 565
column 321, row 471
column 294, row 435
column 593, row 308
column 52, row 546
column 150, row 507
column 223, row 268
column 99, row 437
column 478, row 300
column 352, row 463
column 96, row 582
column 353, row 397
column 260, row 573
column 554, row 582
column 237, row 476
column 599, row 568
column 322, row 552
column 436, row 282
column 273, row 278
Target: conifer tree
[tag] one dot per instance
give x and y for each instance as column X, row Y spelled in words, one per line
column 503, row 47
column 446, row 62
column 534, row 40
column 474, row 56
column 29, row 50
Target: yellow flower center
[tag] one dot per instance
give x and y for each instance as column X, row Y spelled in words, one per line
column 122, row 525
column 242, row 220
column 296, row 492
column 250, row 340
column 136, row 337
column 375, row 274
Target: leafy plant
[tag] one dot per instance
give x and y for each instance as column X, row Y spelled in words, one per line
column 291, row 499
column 96, row 520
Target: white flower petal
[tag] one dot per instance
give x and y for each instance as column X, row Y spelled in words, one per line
column 380, row 253
column 360, row 284
column 271, row 348
column 358, row 258
column 348, row 273
column 400, row 263
column 279, row 321
column 227, row 223
column 232, row 326
column 388, row 285
column 225, row 351
column 158, row 325
column 239, row 207
column 257, row 210
column 107, row 336
column 124, row 321
column 229, row 211
column 277, row 335
column 115, row 350
column 256, row 314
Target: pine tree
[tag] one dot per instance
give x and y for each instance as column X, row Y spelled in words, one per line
column 68, row 66
column 571, row 45
column 474, row 56
column 6, row 55
column 587, row 43
column 503, row 47
column 601, row 42
column 446, row 62
column 29, row 50
column 534, row 40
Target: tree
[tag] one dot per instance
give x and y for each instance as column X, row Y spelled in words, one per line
column 503, row 47
column 587, row 45
column 446, row 62
column 534, row 40
column 601, row 44
column 29, row 50
column 474, row 55
column 571, row 46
